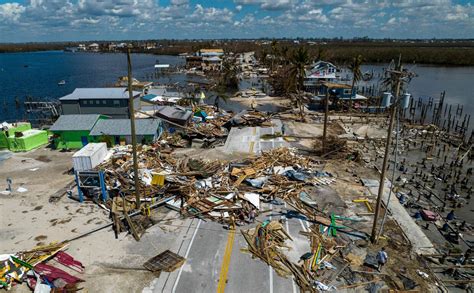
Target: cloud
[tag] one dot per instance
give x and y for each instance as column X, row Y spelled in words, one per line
column 268, row 4
column 124, row 8
column 122, row 19
column 179, row 2
column 10, row 12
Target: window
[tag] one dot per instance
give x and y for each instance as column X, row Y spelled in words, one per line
column 347, row 91
column 97, row 102
column 116, row 103
column 104, row 102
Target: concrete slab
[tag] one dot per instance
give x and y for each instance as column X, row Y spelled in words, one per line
column 421, row 244
column 248, row 139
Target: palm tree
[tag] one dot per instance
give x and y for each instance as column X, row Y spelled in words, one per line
column 321, row 54
column 297, row 72
column 274, row 47
column 264, row 57
column 284, row 54
column 220, row 96
column 228, row 77
column 356, row 74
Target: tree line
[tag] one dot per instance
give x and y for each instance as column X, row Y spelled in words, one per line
column 450, row 53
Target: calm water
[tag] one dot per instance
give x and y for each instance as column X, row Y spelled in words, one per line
column 37, row 74
column 432, row 80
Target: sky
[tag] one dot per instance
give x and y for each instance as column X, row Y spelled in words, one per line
column 82, row 20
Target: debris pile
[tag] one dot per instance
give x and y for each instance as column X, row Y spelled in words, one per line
column 34, row 268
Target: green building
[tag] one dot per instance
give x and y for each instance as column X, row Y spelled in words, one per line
column 19, row 137
column 73, row 131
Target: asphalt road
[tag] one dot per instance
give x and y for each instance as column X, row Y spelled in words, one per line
column 213, row 254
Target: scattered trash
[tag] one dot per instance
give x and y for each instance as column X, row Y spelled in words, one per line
column 21, row 189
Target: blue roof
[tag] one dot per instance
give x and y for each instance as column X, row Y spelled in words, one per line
column 99, row 93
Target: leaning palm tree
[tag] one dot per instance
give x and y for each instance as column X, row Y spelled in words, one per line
column 274, row 50
column 220, row 98
column 264, row 57
column 356, row 74
column 296, row 74
column 228, row 77
column 284, row 55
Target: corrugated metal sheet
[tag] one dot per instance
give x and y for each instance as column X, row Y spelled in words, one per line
column 122, row 127
column 99, row 93
column 75, row 122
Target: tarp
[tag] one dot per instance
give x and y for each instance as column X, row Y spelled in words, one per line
column 253, row 198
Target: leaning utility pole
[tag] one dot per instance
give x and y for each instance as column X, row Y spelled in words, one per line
column 326, row 110
column 398, row 76
column 132, row 127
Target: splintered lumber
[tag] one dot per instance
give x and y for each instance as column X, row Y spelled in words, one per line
column 166, row 261
column 266, row 241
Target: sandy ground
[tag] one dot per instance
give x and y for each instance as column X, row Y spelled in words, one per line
column 29, row 219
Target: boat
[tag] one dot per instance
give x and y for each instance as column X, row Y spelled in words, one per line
column 62, row 82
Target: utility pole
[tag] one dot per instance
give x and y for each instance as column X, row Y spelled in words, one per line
column 132, row 127
column 398, row 75
column 326, row 110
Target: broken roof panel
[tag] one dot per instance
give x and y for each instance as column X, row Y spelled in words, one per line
column 174, row 114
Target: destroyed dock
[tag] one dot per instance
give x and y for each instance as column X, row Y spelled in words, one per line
column 250, row 201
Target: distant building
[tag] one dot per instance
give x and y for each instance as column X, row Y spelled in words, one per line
column 339, row 90
column 194, row 62
column 162, row 95
column 211, row 63
column 73, row 131
column 118, row 131
column 112, row 102
column 210, row 52
column 94, row 47
column 136, row 84
column 206, row 60
column 321, row 71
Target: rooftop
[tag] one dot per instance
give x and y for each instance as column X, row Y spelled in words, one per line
column 334, row 85
column 99, row 93
column 90, row 149
column 122, row 127
column 173, row 113
column 75, row 122
column 211, row 51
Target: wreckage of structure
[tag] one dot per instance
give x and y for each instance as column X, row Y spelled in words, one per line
column 284, row 199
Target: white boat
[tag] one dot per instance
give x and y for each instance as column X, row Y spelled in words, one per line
column 62, row 82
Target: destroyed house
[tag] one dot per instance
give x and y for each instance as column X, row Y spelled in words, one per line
column 113, row 102
column 73, row 131
column 118, row 131
column 174, row 114
column 341, row 91
column 194, row 62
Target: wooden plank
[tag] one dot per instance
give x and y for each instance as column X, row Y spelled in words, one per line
column 167, row 261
